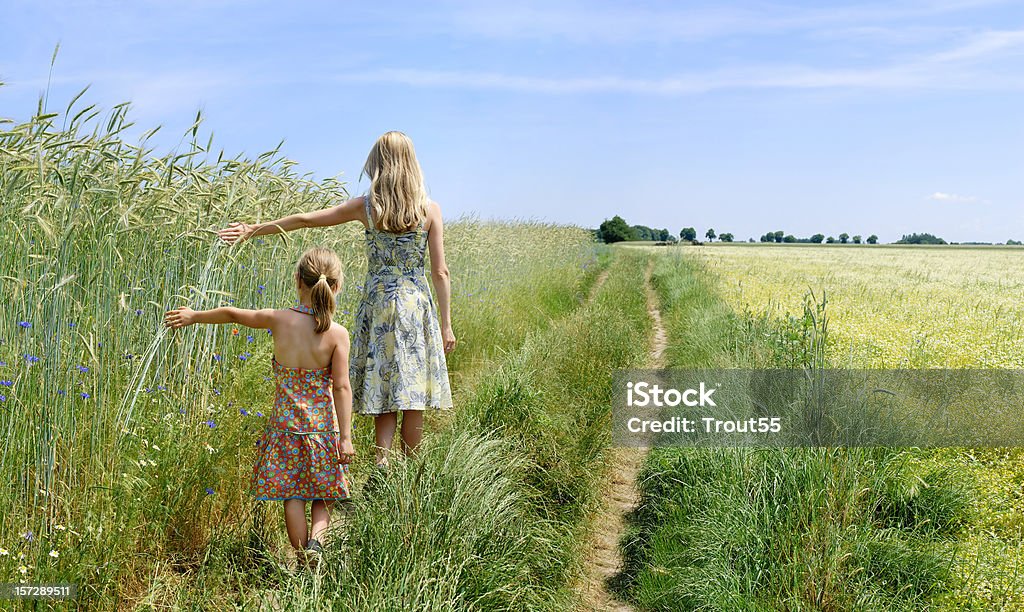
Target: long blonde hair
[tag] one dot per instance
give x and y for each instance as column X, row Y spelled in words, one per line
column 320, row 270
column 398, row 196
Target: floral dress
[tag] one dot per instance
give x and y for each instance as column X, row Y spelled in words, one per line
column 397, row 359
column 299, row 454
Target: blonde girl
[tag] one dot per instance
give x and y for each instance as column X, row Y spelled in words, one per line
column 399, row 343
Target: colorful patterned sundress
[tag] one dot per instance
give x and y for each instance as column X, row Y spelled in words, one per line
column 299, row 454
column 397, row 359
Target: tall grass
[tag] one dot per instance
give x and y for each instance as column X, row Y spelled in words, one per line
column 127, row 449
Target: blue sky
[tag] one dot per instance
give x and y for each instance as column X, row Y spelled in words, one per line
column 885, row 118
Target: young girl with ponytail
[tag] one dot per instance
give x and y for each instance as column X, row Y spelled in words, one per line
column 305, row 451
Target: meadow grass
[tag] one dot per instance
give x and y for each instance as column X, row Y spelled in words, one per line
column 796, row 528
column 128, row 448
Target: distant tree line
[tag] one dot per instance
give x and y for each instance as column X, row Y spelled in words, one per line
column 920, row 239
column 617, row 230
column 844, row 238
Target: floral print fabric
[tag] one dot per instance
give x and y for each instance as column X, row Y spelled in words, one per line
column 299, row 454
column 397, row 359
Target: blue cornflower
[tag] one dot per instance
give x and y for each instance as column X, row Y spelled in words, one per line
column 82, row 369
column 244, row 412
column 270, row 333
column 6, row 383
column 216, row 391
column 28, row 535
column 244, row 356
column 31, row 358
column 259, row 414
column 61, row 392
column 259, row 289
column 211, row 424
column 71, row 324
column 138, row 311
column 129, row 356
column 84, row 395
column 209, row 491
column 161, row 388
column 3, row 398
column 3, row 364
column 217, row 357
column 250, row 339
column 24, row 324
column 181, row 411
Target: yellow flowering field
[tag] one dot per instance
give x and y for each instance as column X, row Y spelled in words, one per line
column 889, row 306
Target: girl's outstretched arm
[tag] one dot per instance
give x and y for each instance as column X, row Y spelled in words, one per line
column 349, row 210
column 185, row 316
column 342, row 391
column 439, row 275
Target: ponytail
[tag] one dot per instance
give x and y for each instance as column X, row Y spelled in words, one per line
column 320, row 270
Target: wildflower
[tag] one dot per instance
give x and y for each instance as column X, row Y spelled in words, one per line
column 3, row 364
column 260, row 289
column 31, row 359
column 129, row 356
column 216, row 391
column 161, row 388
column 84, row 395
column 59, row 527
column 3, row 398
column 259, row 414
column 138, row 311
column 61, row 392
column 28, row 536
column 210, row 449
column 217, row 357
column 244, row 356
column 54, row 554
column 244, row 412
column 81, row 369
column 234, row 331
column 155, row 447
column 71, row 324
column 4, row 552
column 209, row 491
column 6, row 383
column 250, row 339
column 22, row 569
column 24, row 324
column 211, row 424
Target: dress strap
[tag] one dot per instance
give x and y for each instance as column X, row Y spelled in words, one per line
column 302, row 308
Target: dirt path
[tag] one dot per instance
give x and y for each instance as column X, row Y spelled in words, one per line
column 603, row 276
column 604, row 560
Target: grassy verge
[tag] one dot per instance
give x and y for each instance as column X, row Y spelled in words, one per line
column 831, row 529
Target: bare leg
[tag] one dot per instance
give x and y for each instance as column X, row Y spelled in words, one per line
column 412, row 430
column 295, row 522
column 321, row 515
column 384, row 427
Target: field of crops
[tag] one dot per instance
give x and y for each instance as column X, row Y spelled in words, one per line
column 128, row 448
column 889, row 529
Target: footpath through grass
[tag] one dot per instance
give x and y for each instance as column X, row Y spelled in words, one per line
column 785, row 529
column 491, row 515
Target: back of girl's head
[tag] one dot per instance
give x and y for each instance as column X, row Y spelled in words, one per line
column 320, row 270
column 397, row 193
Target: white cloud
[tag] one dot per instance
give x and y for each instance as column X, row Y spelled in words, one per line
column 955, row 68
column 940, row 196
